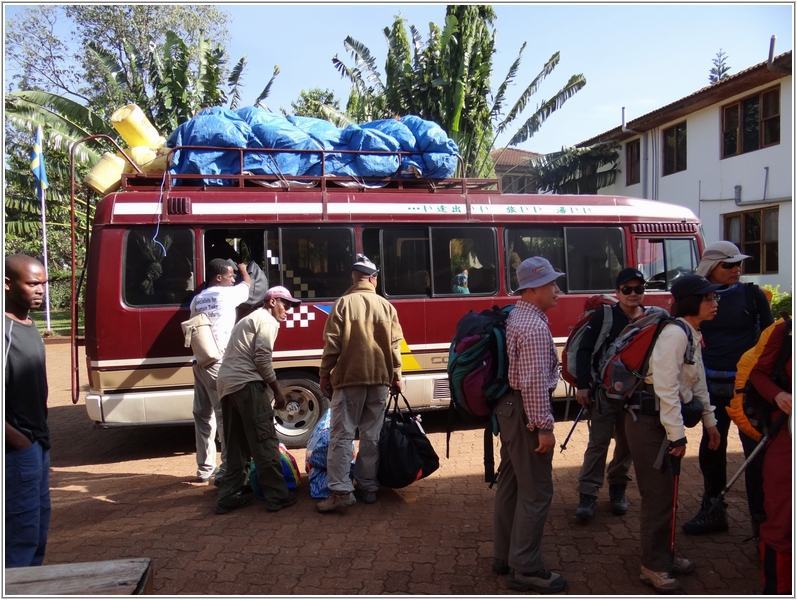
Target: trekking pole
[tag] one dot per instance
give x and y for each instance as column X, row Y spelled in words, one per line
column 572, row 429
column 675, row 461
column 716, row 503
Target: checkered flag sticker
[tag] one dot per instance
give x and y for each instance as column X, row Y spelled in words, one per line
column 301, row 315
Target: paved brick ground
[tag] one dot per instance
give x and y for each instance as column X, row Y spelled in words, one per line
column 128, row 493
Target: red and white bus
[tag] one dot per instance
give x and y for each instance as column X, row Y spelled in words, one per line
column 151, row 240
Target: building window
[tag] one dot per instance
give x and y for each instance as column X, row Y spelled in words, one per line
column 675, row 149
column 632, row 162
column 756, row 233
column 517, row 184
column 751, row 124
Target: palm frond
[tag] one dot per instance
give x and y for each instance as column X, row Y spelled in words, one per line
column 523, row 100
column 266, row 90
column 532, row 125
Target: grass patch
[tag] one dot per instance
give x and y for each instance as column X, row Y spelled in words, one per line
column 60, row 322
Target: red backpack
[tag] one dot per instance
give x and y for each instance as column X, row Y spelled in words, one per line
column 624, row 365
column 570, row 350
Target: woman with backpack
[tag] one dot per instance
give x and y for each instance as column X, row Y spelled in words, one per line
column 772, row 378
column 675, row 378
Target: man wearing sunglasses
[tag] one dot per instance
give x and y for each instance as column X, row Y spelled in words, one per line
column 742, row 315
column 608, row 419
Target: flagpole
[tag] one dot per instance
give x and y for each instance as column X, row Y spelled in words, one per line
column 46, row 273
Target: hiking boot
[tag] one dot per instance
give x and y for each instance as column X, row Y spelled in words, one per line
column 682, row 566
column 617, row 498
column 285, row 503
column 543, row 582
column 336, row 500
column 367, row 496
column 706, row 521
column 661, row 582
column 240, row 502
column 586, row 507
column 500, row 567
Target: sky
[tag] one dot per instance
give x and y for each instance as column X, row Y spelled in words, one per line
column 638, row 56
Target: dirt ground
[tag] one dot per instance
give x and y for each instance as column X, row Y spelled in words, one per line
column 128, row 493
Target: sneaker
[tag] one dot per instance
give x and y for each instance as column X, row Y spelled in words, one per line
column 543, row 582
column 661, row 582
column 682, row 566
column 206, row 478
column 242, row 500
column 500, row 567
column 336, row 500
column 289, row 501
column 586, row 507
column 617, row 498
column 706, row 521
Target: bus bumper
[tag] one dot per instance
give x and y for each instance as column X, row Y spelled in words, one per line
column 142, row 407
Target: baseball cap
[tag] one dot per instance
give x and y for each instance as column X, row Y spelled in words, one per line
column 692, row 285
column 280, row 292
column 535, row 272
column 364, row 265
column 716, row 253
column 628, row 274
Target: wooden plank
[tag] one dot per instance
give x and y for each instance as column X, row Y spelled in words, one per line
column 111, row 577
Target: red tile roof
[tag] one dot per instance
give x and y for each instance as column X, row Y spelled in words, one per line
column 511, row 157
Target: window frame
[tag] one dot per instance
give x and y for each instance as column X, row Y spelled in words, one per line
column 739, row 130
column 759, row 249
column 676, row 155
column 633, row 162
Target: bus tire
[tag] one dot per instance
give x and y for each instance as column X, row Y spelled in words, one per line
column 305, row 407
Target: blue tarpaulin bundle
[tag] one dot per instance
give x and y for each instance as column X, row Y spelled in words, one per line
column 432, row 152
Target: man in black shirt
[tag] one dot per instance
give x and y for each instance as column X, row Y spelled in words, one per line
column 608, row 418
column 27, row 471
column 742, row 315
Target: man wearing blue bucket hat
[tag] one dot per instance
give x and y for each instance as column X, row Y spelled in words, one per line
column 525, row 417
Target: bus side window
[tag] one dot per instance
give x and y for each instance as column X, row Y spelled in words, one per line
column 473, row 248
column 663, row 260
column 521, row 243
column 402, row 256
column 316, row 261
column 595, row 255
column 158, row 271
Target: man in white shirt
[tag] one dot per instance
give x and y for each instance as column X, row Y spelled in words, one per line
column 218, row 301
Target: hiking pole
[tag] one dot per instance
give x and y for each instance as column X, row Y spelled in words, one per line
column 675, row 461
column 572, row 429
column 717, row 503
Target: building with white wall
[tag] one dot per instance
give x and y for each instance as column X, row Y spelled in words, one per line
column 726, row 153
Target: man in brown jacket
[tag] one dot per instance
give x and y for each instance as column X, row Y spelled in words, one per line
column 361, row 360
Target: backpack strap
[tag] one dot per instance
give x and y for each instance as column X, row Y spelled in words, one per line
column 784, row 353
column 689, row 355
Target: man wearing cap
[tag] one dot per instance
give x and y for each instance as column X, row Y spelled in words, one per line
column 742, row 315
column 608, row 418
column 246, row 385
column 218, row 301
column 361, row 361
column 525, row 418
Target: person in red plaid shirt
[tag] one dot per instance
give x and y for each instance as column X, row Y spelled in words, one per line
column 525, row 485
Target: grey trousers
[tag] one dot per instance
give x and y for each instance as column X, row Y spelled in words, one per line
column 525, row 489
column 607, row 420
column 207, row 421
column 645, row 438
column 355, row 407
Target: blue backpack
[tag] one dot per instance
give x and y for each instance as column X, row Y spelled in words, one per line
column 478, row 374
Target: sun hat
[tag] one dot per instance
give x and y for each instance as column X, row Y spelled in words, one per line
column 535, row 272
column 364, row 265
column 280, row 292
column 716, row 253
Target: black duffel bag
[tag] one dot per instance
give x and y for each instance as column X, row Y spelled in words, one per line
column 405, row 453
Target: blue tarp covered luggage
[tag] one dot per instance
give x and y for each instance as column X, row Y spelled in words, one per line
column 433, row 153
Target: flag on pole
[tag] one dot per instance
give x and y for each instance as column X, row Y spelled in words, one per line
column 40, row 173
column 37, row 164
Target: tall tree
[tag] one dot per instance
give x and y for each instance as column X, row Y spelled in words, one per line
column 720, row 70
column 310, row 103
column 447, row 80
column 576, row 170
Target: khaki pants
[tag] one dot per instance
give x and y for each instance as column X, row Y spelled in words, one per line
column 525, row 489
